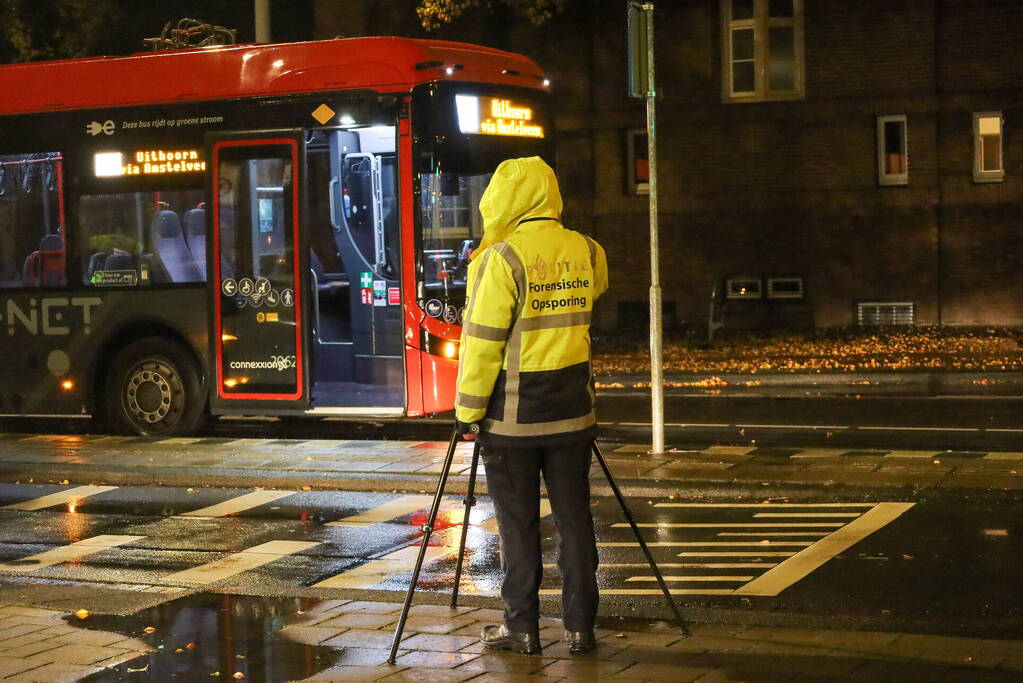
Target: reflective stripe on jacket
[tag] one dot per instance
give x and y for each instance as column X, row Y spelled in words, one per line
column 525, row 351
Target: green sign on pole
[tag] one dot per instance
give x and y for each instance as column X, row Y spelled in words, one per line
column 639, row 48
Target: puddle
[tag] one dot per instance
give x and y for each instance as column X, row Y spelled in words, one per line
column 212, row 637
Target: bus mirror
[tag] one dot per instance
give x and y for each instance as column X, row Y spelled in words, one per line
column 449, row 184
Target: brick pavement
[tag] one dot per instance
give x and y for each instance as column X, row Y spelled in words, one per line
column 39, row 645
column 441, row 645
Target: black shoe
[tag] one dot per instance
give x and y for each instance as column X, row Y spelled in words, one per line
column 500, row 638
column 581, row 641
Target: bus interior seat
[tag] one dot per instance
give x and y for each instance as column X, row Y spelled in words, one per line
column 170, row 249
column 51, row 261
column 195, row 237
column 45, row 267
column 120, row 260
column 96, row 262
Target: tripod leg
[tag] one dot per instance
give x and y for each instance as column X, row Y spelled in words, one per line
column 427, row 530
column 642, row 544
column 470, row 500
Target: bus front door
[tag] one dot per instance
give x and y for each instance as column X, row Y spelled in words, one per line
column 352, row 228
column 258, row 336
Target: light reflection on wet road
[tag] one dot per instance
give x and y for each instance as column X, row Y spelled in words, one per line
column 939, row 557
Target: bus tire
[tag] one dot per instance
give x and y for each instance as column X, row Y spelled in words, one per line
column 154, row 388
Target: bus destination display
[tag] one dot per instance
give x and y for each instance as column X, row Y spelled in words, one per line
column 479, row 115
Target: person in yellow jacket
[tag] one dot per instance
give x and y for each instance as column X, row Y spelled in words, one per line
column 525, row 385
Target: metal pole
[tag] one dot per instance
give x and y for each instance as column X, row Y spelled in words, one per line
column 656, row 330
column 427, row 530
column 470, row 500
column 262, row 11
column 642, row 544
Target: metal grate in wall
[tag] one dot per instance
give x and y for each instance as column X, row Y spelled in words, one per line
column 873, row 313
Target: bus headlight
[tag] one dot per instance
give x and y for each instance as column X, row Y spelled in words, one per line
column 438, row 346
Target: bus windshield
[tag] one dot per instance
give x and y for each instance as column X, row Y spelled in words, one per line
column 462, row 135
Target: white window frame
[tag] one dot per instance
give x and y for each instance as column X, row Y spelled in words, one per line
column 772, row 293
column 633, row 186
column 883, row 177
column 761, row 24
column 754, row 292
column 979, row 174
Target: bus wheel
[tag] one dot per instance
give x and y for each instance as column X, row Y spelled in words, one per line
column 154, row 388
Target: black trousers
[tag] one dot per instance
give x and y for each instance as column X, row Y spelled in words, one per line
column 513, row 480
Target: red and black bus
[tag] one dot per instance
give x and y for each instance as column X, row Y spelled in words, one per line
column 257, row 229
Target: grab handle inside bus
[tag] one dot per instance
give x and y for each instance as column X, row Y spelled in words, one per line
column 335, row 220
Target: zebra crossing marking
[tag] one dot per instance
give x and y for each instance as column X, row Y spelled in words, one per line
column 238, row 504
column 59, row 498
column 375, row 571
column 382, row 513
column 235, row 563
column 67, row 553
column 774, row 581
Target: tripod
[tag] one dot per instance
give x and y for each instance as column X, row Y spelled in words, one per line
column 470, row 500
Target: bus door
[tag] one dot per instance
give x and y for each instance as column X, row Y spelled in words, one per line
column 258, row 331
column 352, row 226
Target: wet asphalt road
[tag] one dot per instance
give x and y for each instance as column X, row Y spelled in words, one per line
column 984, row 422
column 941, row 562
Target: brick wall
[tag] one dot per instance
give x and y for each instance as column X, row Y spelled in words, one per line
column 786, row 188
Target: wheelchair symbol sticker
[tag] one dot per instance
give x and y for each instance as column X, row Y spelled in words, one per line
column 246, row 286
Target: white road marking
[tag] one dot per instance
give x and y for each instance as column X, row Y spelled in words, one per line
column 59, row 498
column 736, row 554
column 388, row 511
column 765, row 506
column 67, row 553
column 807, row 514
column 772, row 533
column 236, row 563
column 685, row 544
column 693, row 424
column 650, row 591
column 913, row 454
column 775, row 426
column 774, row 581
column 238, row 504
column 709, row 579
column 375, row 571
column 243, row 442
column 728, row 450
column 177, row 441
column 44, row 437
column 1003, row 456
column 922, row 429
column 684, row 565
column 751, row 525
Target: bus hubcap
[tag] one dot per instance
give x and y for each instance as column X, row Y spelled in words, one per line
column 149, row 393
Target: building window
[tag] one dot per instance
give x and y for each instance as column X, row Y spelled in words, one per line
column 743, row 288
column 638, row 171
column 987, row 147
column 892, row 154
column 32, row 250
column 763, row 50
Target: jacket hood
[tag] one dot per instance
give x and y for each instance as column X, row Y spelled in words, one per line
column 520, row 189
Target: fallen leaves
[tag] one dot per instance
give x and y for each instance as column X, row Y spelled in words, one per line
column 82, row 613
column 846, row 350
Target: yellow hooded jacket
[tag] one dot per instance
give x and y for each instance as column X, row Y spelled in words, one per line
column 525, row 350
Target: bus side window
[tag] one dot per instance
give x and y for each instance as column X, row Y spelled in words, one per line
column 137, row 238
column 31, row 221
